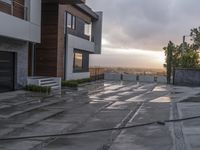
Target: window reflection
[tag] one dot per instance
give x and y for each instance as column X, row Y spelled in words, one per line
column 78, row 61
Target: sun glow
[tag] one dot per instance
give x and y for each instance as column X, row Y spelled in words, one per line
column 158, row 56
column 129, row 58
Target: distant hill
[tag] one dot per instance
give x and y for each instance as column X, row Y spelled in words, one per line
column 153, row 71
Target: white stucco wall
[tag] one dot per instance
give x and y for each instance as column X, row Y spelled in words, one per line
column 80, row 43
column 75, row 42
column 17, row 28
column 35, row 12
column 35, row 20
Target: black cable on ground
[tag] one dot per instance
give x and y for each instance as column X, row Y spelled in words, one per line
column 98, row 130
column 182, row 119
column 75, row 133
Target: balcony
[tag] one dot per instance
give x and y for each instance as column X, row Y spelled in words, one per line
column 64, row 1
column 72, row 1
column 16, row 24
column 14, row 8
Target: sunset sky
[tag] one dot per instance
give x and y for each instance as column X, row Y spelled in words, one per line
column 135, row 31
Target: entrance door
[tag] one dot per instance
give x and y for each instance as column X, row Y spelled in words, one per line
column 6, row 71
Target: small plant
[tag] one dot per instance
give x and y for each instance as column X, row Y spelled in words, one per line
column 75, row 83
column 71, row 83
column 40, row 89
column 80, row 81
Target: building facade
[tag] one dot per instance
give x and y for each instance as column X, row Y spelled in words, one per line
column 20, row 30
column 51, row 38
column 71, row 31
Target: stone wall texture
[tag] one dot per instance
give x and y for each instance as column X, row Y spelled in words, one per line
column 136, row 78
column 21, row 50
column 187, row 77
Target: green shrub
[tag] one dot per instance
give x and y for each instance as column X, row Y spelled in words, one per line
column 75, row 83
column 40, row 89
column 80, row 81
column 71, row 83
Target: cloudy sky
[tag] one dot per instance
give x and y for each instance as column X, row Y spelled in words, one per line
column 135, row 31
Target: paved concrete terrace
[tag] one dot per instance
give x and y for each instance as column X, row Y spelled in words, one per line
column 102, row 105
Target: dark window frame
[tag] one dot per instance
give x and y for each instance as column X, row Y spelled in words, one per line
column 89, row 25
column 72, row 21
column 74, row 66
column 67, row 18
column 85, row 61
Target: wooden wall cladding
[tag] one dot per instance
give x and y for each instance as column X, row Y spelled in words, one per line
column 76, row 12
column 46, row 52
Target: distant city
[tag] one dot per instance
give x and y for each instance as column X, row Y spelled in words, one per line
column 150, row 71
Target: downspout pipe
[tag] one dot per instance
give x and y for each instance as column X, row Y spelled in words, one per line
column 33, row 60
column 65, row 56
column 65, row 46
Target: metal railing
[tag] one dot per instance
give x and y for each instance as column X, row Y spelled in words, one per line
column 13, row 5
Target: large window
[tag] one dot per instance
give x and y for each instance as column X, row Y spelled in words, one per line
column 71, row 21
column 88, row 29
column 81, row 61
column 78, row 61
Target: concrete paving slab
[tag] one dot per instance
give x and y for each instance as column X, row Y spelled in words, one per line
column 11, row 125
column 16, row 145
column 11, row 95
column 91, row 141
column 190, row 128
column 23, row 108
column 154, row 137
column 96, row 107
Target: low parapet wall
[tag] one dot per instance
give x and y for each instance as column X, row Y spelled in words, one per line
column 128, row 77
column 112, row 76
column 187, row 77
column 147, row 78
column 135, row 78
column 161, row 79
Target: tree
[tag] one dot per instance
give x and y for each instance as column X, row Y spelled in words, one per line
column 189, row 59
column 169, row 60
column 180, row 56
column 195, row 34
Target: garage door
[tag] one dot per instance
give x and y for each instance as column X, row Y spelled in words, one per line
column 6, row 71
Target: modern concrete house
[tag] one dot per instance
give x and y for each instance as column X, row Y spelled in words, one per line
column 20, row 30
column 42, row 39
column 71, row 31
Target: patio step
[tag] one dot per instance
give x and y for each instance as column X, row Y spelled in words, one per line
column 43, row 80
column 52, row 82
column 48, row 82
